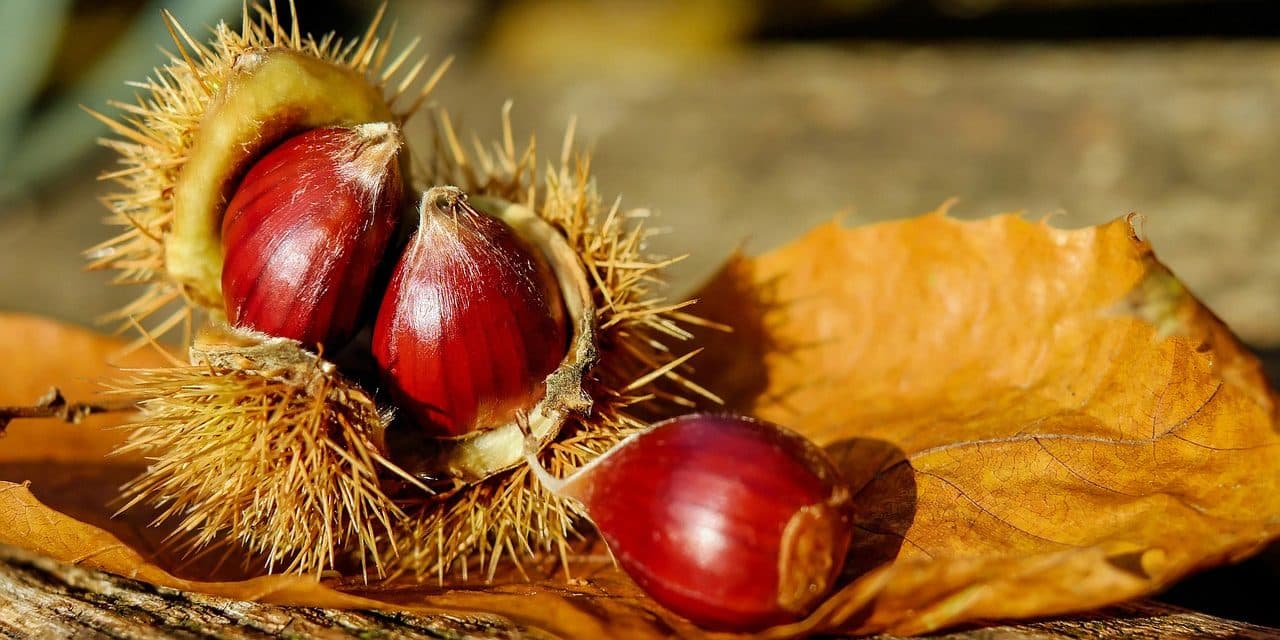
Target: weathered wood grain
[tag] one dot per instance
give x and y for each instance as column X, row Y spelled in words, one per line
column 41, row 598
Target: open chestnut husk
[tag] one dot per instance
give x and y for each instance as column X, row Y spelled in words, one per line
column 260, row 440
column 734, row 523
column 209, row 113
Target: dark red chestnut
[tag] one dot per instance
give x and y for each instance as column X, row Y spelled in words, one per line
column 733, row 523
column 306, row 230
column 471, row 323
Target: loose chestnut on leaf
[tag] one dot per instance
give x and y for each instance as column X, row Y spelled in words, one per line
column 734, row 523
column 306, row 231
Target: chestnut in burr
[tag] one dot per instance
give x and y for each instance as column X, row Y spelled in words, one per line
column 306, row 231
column 472, row 321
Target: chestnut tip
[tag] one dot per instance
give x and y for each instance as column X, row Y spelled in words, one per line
column 442, row 198
column 374, row 147
column 248, row 60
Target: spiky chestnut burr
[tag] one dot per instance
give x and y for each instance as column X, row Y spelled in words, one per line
column 306, row 232
column 734, row 523
column 214, row 108
column 266, row 443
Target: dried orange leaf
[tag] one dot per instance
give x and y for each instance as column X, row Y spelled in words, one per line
column 1035, row 421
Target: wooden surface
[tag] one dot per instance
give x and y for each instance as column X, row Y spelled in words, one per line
column 40, row 598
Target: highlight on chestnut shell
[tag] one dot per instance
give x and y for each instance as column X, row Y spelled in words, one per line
column 472, row 322
column 734, row 523
column 306, row 231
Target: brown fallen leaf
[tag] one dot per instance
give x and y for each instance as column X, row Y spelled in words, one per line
column 1035, row 421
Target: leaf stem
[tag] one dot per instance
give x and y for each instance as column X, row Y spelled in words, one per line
column 54, row 405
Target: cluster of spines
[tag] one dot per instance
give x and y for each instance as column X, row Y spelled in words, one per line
column 282, row 461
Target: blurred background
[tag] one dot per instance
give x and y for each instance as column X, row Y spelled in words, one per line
column 744, row 122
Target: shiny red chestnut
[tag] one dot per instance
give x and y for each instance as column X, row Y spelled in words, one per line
column 733, row 523
column 471, row 323
column 306, row 232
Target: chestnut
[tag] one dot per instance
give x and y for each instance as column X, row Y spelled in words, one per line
column 734, row 523
column 472, row 322
column 306, row 231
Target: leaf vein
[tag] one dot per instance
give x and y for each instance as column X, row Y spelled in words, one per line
column 978, row 505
